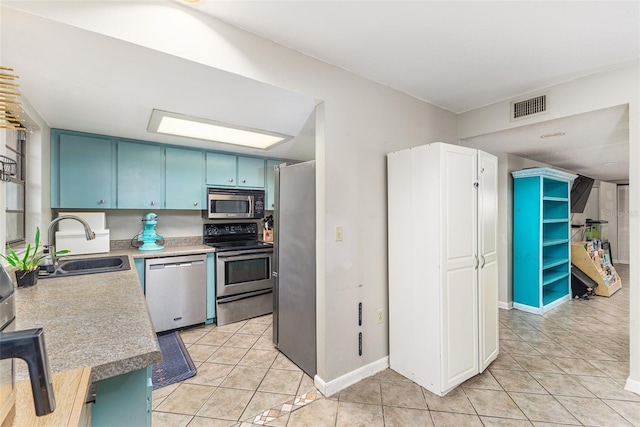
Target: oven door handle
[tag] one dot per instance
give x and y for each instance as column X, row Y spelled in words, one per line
column 244, row 256
column 224, row 300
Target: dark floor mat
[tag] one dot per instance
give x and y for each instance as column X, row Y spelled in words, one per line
column 176, row 363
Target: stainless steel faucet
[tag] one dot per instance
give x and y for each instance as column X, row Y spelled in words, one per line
column 49, row 247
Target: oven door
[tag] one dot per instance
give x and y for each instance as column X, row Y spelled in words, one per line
column 243, row 271
column 230, row 206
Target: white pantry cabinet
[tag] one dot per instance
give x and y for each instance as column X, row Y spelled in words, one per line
column 443, row 272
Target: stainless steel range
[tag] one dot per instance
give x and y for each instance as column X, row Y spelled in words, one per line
column 244, row 285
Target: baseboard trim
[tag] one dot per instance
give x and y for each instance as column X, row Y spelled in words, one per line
column 505, row 305
column 633, row 386
column 332, row 387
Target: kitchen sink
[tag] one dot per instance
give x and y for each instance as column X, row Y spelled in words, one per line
column 75, row 267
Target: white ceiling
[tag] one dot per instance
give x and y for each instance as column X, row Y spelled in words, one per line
column 465, row 55
column 456, row 55
column 84, row 81
column 590, row 144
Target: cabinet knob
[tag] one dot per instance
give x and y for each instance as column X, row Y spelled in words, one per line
column 153, row 202
column 195, row 203
column 102, row 201
column 244, row 180
column 230, row 179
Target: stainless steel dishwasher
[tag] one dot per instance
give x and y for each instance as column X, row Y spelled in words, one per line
column 176, row 291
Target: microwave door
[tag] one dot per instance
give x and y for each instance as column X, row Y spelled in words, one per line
column 231, row 206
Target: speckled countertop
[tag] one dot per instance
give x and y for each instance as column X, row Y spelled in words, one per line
column 97, row 320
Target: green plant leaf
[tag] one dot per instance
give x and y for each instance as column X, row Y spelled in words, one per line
column 37, row 238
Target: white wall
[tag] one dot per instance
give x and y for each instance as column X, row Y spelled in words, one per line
column 359, row 122
column 623, row 224
column 37, row 212
column 608, row 211
column 607, row 89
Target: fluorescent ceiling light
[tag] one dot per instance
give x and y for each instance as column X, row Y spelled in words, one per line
column 210, row 130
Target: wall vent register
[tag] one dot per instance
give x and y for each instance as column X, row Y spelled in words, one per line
column 528, row 107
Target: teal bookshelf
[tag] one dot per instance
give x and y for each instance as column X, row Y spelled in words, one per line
column 541, row 239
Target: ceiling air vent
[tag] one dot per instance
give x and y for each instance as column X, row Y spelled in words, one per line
column 528, row 107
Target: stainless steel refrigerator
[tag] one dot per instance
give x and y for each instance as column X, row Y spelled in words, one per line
column 294, row 262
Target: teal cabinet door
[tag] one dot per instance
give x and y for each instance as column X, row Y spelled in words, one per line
column 250, row 172
column 184, row 180
column 86, row 171
column 124, row 400
column 270, row 188
column 221, row 170
column 140, row 176
column 139, row 264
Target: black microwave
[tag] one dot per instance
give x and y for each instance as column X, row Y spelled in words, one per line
column 224, row 203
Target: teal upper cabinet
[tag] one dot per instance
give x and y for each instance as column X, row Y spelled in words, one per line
column 184, row 176
column 102, row 172
column 228, row 170
column 250, row 172
column 222, row 169
column 140, row 176
column 270, row 189
column 83, row 171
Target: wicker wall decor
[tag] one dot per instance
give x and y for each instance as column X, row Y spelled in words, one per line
column 9, row 103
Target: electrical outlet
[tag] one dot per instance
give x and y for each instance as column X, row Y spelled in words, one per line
column 379, row 316
column 338, row 233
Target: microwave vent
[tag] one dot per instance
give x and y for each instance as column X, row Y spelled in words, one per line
column 528, row 107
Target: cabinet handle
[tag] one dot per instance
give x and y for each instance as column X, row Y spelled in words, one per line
column 483, row 261
column 244, row 180
column 195, row 203
column 102, row 201
column 153, row 203
column 477, row 262
column 230, row 179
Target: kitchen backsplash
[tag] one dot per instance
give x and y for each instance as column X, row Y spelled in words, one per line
column 168, row 242
column 179, row 228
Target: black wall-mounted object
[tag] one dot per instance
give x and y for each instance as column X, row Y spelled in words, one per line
column 580, row 193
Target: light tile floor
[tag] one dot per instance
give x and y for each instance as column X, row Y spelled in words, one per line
column 567, row 367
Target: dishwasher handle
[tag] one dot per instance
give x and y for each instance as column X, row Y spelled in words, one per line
column 175, row 265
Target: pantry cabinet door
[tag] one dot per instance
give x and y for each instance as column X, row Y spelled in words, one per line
column 488, row 249
column 459, row 264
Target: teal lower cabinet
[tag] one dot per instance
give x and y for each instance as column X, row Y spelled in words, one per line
column 541, row 239
column 124, row 400
column 139, row 265
column 211, row 287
